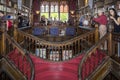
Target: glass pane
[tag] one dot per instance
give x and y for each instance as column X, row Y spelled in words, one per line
column 47, row 8
column 64, row 16
column 45, row 14
column 42, row 8
column 66, row 8
column 52, row 8
column 61, row 8
column 56, row 8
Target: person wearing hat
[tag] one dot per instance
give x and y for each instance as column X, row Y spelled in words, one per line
column 102, row 20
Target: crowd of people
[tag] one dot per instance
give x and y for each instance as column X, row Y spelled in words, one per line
column 50, row 21
column 85, row 20
column 103, row 20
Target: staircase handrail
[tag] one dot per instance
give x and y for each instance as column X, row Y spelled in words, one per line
column 56, row 43
column 89, row 52
column 10, row 70
column 23, row 52
column 74, row 45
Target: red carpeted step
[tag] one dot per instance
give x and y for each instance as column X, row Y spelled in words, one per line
column 20, row 62
column 91, row 63
column 47, row 70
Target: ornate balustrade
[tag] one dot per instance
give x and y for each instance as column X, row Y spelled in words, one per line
column 16, row 56
column 116, row 45
column 90, row 61
column 61, row 30
column 56, row 51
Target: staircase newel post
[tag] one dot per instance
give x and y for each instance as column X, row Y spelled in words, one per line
column 96, row 33
column 110, row 41
column 3, row 52
column 15, row 31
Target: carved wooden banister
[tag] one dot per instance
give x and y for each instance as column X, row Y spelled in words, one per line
column 3, row 31
column 84, row 36
column 11, row 47
column 115, row 44
column 100, row 46
column 75, row 45
column 96, row 33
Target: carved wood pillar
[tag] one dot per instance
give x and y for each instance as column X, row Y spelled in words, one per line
column 96, row 33
column 3, row 40
column 110, row 49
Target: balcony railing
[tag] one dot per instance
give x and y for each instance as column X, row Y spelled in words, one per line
column 56, row 51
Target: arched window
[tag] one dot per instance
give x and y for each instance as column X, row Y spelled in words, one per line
column 61, row 8
column 66, row 8
column 52, row 8
column 63, row 11
column 56, row 8
column 42, row 8
column 47, row 8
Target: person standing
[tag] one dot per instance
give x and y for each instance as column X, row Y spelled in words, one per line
column 115, row 19
column 82, row 18
column 116, row 23
column 102, row 20
column 86, row 21
column 20, row 20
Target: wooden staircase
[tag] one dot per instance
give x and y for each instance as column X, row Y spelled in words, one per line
column 111, row 76
column 93, row 64
column 12, row 72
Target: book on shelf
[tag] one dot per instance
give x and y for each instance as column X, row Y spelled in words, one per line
column 41, row 52
column 54, row 55
column 66, row 54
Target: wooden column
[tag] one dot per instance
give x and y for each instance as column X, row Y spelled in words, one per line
column 110, row 43
column 3, row 40
column 96, row 33
column 15, row 31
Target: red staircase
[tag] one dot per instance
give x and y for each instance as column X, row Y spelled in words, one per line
column 20, row 62
column 92, row 63
column 49, row 70
column 46, row 70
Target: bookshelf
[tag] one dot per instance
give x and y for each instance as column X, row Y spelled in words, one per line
column 8, row 8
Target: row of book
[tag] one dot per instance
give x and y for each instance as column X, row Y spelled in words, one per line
column 54, row 55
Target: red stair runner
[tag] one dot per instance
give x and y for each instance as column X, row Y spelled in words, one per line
column 46, row 70
column 66, row 70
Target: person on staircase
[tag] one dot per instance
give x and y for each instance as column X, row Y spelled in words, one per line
column 102, row 21
column 115, row 19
